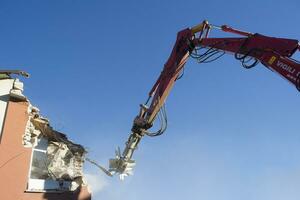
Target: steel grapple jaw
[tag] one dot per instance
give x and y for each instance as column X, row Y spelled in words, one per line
column 120, row 165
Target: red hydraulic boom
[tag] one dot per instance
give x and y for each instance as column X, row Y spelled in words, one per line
column 249, row 48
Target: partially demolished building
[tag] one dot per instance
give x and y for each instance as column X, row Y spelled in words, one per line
column 36, row 162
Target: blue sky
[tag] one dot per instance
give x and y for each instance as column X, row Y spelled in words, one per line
column 233, row 133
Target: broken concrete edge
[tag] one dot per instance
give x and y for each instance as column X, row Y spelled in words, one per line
column 16, row 92
column 65, row 158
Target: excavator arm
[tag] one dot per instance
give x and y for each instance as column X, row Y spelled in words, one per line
column 274, row 53
column 250, row 49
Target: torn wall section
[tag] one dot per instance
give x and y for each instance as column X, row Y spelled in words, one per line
column 45, row 162
column 55, row 159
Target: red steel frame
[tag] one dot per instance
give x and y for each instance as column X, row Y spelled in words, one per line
column 274, row 53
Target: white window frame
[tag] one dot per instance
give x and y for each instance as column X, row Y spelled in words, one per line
column 45, row 185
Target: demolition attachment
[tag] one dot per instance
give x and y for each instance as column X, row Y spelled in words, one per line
column 121, row 165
